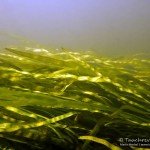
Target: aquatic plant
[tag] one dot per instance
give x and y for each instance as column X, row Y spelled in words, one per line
column 67, row 100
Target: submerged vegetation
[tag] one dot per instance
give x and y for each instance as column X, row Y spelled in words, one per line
column 74, row 101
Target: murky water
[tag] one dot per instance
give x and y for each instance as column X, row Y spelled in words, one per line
column 109, row 27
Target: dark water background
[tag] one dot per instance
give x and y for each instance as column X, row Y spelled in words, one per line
column 111, row 27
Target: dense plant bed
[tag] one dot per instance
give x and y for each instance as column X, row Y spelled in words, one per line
column 72, row 101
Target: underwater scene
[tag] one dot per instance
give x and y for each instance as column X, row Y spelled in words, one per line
column 74, row 88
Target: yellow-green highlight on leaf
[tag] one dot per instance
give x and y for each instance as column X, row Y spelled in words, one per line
column 100, row 141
